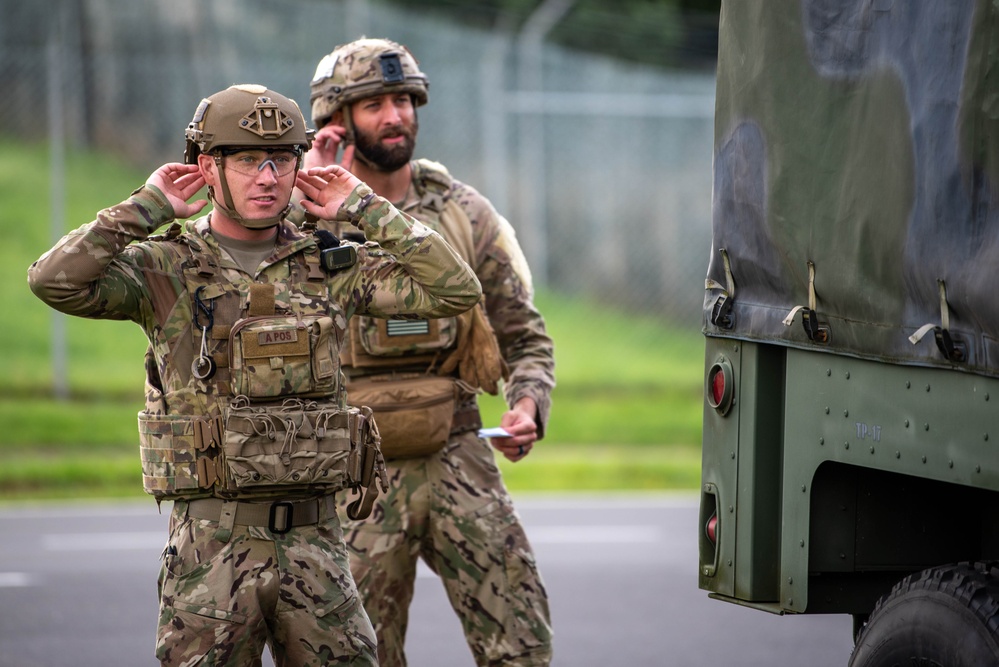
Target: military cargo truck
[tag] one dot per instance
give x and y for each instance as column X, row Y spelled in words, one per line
column 851, row 315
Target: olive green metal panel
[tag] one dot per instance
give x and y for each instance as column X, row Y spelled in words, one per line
column 719, row 476
column 741, row 461
column 919, row 422
column 761, row 429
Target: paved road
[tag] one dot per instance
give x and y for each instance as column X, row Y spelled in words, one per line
column 77, row 587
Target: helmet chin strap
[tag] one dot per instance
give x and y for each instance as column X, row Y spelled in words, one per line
column 229, row 208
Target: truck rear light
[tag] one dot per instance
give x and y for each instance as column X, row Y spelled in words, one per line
column 720, row 390
column 707, row 541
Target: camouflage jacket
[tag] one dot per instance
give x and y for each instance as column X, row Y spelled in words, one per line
column 506, row 281
column 112, row 269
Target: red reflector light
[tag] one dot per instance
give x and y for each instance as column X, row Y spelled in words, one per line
column 711, row 529
column 720, row 389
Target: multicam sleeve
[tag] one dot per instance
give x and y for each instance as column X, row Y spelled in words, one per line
column 414, row 272
column 509, row 297
column 88, row 273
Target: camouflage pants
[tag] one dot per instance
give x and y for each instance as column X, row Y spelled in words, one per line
column 221, row 601
column 453, row 510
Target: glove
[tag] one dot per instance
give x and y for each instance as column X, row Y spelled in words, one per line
column 477, row 356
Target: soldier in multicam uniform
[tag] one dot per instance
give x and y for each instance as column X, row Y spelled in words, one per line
column 447, row 502
column 245, row 426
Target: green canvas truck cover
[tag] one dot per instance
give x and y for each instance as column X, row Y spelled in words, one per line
column 857, row 150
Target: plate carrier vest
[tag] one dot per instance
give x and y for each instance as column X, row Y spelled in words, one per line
column 271, row 421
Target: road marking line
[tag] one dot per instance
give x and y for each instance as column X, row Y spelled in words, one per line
column 609, row 501
column 594, row 534
column 14, row 580
column 618, row 535
column 147, row 541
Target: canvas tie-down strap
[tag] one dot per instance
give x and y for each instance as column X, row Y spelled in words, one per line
column 721, row 311
column 809, row 318
column 952, row 349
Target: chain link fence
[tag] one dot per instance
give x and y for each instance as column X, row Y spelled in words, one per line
column 603, row 167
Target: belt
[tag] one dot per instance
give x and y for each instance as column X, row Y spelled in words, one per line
column 466, row 418
column 279, row 516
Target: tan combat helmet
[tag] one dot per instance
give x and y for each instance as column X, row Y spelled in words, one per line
column 364, row 68
column 245, row 116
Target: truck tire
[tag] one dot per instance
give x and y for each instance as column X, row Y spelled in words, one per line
column 947, row 616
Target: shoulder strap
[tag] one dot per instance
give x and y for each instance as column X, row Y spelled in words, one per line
column 477, row 358
column 434, row 185
column 456, row 227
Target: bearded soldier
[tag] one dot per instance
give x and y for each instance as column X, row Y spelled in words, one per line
column 447, row 502
column 245, row 426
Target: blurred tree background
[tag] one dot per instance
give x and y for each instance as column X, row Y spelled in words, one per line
column 664, row 33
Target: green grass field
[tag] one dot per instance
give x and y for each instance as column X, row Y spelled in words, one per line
column 626, row 412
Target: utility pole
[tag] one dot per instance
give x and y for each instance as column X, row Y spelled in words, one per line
column 530, row 78
column 57, row 182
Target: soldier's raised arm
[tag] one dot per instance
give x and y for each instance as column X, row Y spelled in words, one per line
column 434, row 280
column 84, row 273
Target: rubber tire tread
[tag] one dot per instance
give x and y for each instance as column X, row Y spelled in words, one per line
column 946, row 615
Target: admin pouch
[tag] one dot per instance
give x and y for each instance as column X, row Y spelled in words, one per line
column 261, row 448
column 375, row 342
column 283, row 355
column 414, row 414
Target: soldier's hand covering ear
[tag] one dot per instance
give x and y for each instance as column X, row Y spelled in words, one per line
column 325, row 146
column 326, row 188
column 179, row 182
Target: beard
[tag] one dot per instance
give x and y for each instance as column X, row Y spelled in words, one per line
column 387, row 158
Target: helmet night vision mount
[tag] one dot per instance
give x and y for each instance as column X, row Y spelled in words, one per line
column 361, row 69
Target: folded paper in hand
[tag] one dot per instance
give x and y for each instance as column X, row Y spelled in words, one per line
column 496, row 432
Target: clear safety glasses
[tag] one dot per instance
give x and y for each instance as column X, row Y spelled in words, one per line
column 251, row 161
